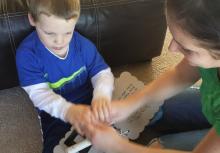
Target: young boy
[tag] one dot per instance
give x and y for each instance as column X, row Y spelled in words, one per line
column 59, row 68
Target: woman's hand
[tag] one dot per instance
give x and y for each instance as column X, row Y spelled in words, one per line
column 104, row 137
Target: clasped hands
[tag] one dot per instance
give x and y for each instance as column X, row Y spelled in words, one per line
column 101, row 111
column 80, row 116
column 94, row 121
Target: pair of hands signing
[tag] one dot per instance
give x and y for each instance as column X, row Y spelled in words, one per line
column 80, row 115
column 104, row 137
column 94, row 122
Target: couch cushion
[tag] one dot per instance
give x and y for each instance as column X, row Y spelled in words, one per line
column 19, row 124
column 124, row 31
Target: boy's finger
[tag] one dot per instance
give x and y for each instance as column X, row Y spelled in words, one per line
column 105, row 111
column 109, row 111
column 88, row 131
column 93, row 118
column 88, row 118
column 95, row 111
column 78, row 129
column 101, row 113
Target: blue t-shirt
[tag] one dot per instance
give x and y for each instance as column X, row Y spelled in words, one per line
column 69, row 77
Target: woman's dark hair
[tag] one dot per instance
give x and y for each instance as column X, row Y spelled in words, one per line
column 200, row 18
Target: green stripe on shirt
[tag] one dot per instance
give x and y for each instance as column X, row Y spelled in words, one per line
column 63, row 81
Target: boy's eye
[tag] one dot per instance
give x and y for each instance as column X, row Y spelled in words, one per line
column 68, row 33
column 49, row 33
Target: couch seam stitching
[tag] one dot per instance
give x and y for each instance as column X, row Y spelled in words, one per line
column 96, row 23
column 4, row 7
column 94, row 5
column 10, row 31
column 100, row 36
column 98, row 30
column 14, row 14
column 113, row 3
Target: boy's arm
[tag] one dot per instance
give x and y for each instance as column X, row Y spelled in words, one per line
column 103, row 84
column 45, row 99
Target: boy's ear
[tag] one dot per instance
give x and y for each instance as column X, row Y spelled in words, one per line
column 31, row 20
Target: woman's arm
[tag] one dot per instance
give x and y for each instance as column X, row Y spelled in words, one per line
column 106, row 139
column 167, row 85
column 210, row 144
column 130, row 147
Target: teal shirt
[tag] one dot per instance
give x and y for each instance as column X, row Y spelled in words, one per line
column 210, row 91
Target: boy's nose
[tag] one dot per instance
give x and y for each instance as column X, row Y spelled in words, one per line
column 59, row 40
column 174, row 46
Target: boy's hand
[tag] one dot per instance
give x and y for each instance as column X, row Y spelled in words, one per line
column 79, row 116
column 101, row 108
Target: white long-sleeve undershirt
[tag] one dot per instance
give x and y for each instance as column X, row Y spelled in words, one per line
column 103, row 84
column 44, row 98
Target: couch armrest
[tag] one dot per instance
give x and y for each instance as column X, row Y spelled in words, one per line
column 19, row 123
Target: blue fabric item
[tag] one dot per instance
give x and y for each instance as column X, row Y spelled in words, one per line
column 185, row 141
column 180, row 121
column 53, row 131
column 182, row 112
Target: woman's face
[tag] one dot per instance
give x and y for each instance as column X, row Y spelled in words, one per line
column 190, row 48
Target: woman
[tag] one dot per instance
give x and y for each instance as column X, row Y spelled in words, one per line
column 195, row 27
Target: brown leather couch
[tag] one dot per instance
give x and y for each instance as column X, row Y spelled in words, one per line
column 124, row 31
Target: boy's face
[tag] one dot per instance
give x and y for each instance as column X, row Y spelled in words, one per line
column 55, row 33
